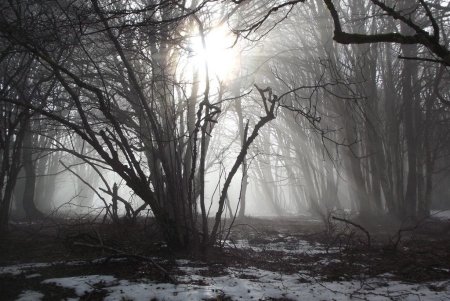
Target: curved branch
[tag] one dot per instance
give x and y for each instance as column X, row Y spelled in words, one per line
column 431, row 42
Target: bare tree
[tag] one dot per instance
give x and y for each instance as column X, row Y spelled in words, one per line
column 116, row 70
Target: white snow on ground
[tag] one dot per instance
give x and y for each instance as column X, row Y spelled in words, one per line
column 22, row 268
column 257, row 285
column 30, row 296
column 292, row 247
column 29, row 268
column 82, row 284
column 241, row 283
column 441, row 214
column 35, row 275
column 327, row 261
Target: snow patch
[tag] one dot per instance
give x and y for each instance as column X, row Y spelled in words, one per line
column 328, row 261
column 290, row 246
column 19, row 269
column 24, row 268
column 82, row 284
column 441, row 214
column 256, row 284
column 30, row 296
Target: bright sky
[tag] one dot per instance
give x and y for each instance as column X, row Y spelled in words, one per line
column 218, row 52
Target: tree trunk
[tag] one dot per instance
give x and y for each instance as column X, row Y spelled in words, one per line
column 411, row 134
column 30, row 175
column 244, row 167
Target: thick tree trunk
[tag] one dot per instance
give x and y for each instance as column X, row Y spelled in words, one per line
column 425, row 201
column 393, row 183
column 9, row 170
column 30, row 175
column 409, row 209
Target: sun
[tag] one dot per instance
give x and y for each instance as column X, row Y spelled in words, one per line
column 218, row 52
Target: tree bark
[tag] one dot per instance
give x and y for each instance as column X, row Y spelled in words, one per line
column 30, row 175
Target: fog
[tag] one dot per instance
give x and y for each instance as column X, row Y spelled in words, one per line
column 224, row 150
column 239, row 109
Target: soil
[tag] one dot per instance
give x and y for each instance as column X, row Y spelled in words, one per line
column 419, row 254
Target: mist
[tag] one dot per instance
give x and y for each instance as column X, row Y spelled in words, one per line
column 206, row 127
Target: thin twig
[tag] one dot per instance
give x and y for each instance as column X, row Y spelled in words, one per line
column 355, row 225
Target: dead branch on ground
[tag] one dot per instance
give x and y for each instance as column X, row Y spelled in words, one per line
column 123, row 254
column 355, row 225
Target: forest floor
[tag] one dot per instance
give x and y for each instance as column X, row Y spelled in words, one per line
column 262, row 259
